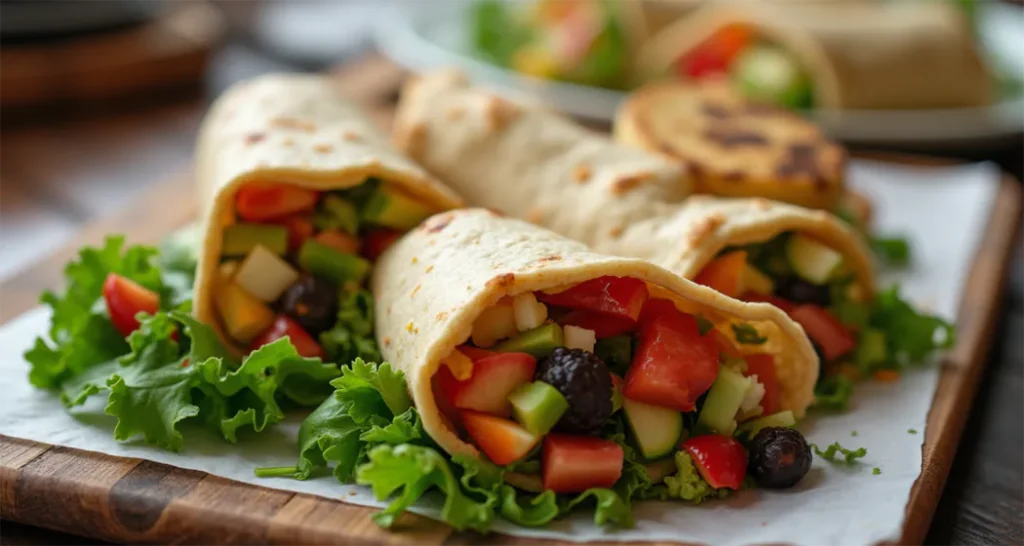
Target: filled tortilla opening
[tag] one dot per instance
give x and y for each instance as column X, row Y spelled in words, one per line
column 803, row 276
column 758, row 66
column 292, row 256
column 545, row 377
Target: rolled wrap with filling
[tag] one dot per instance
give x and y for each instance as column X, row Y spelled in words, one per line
column 530, row 166
column 298, row 194
column 843, row 54
column 443, row 289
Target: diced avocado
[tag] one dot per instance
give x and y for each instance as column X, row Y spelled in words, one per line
column 337, row 213
column 655, row 429
column 718, row 416
column 239, row 239
column 754, row 280
column 781, row 419
column 538, row 342
column 537, row 406
column 244, row 316
column 616, row 352
column 767, row 73
column 391, row 208
column 320, row 259
column 871, row 349
column 812, row 261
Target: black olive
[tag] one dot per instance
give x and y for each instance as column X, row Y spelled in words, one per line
column 313, row 303
column 585, row 382
column 800, row 291
column 779, row 457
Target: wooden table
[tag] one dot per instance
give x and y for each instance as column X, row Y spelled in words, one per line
column 96, row 175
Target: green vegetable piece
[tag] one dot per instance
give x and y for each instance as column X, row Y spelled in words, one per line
column 893, row 251
column 616, row 352
column 239, row 239
column 871, row 350
column 768, row 74
column 849, row 456
column 781, row 419
column 687, row 483
column 538, row 342
column 337, row 213
column 617, row 398
column 812, row 261
column 537, row 406
column 320, row 259
column 747, row 335
column 655, row 429
column 718, row 416
column 876, row 471
column 391, row 208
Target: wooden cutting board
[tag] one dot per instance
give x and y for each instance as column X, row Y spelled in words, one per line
column 134, row 500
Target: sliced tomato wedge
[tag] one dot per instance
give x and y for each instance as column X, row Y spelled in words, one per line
column 763, row 366
column 261, row 202
column 834, row 339
column 724, row 273
column 502, row 440
column 286, row 327
column 617, row 296
column 602, row 325
column 377, row 241
column 673, row 364
column 721, row 460
column 126, row 298
column 781, row 303
column 299, row 229
column 494, row 378
column 655, row 308
column 572, row 464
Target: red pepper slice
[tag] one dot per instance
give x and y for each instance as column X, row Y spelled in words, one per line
column 834, row 339
column 721, row 460
column 286, row 327
column 262, row 202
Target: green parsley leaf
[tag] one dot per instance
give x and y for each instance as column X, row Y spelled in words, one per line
column 371, row 390
column 704, row 325
column 893, row 251
column 747, row 335
column 848, row 456
column 351, row 337
column 876, row 471
column 408, row 471
column 911, row 336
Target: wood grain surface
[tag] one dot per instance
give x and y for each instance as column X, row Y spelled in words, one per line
column 133, row 500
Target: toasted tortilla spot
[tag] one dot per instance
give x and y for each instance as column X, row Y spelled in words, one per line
column 704, row 227
column 293, row 123
column 581, row 173
column 323, row 148
column 731, row 137
column 436, row 223
column 715, row 111
column 535, row 215
column 505, row 280
column 624, row 185
column 253, row 138
column 615, row 231
column 500, row 113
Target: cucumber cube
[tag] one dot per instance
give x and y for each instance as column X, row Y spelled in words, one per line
column 537, row 406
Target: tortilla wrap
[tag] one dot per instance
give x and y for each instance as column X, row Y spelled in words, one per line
column 859, row 54
column 527, row 167
column 736, row 148
column 294, row 129
column 434, row 282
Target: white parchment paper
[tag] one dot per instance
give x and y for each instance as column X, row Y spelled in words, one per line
column 944, row 212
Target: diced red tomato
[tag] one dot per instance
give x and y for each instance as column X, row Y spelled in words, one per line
column 299, row 228
column 261, row 202
column 724, row 345
column 602, row 325
column 834, row 339
column 781, row 303
column 572, row 464
column 377, row 241
column 125, row 298
column 655, row 308
column 721, row 460
column 618, row 296
column 673, row 364
column 493, row 379
column 724, row 273
column 763, row 366
column 283, row 326
column 714, row 56
column 502, row 440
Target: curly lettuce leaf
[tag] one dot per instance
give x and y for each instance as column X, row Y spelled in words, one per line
column 406, row 472
column 404, row 428
column 370, row 390
column 351, row 337
column 609, row 507
column 532, row 510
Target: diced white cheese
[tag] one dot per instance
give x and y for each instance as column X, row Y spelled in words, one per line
column 579, row 338
column 459, row 364
column 530, row 313
column 494, row 324
column 264, row 274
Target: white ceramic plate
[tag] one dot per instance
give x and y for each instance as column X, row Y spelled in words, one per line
column 428, row 35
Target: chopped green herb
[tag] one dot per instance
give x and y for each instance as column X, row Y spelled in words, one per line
column 876, row 471
column 848, row 456
column 704, row 325
column 747, row 335
column 853, row 433
column 891, row 250
column 833, row 392
column 911, row 431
